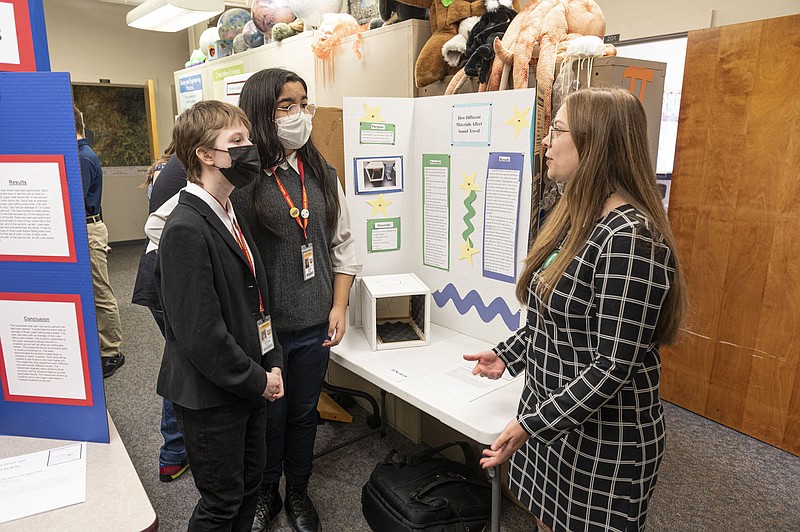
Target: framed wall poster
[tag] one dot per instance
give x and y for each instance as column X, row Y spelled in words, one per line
column 16, row 37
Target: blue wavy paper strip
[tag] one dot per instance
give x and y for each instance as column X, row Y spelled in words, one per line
column 497, row 307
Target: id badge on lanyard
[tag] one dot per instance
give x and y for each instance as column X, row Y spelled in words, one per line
column 265, row 334
column 308, row 261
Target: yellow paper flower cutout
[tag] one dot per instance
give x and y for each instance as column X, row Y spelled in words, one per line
column 519, row 120
column 379, row 205
column 371, row 114
column 467, row 251
column 469, row 182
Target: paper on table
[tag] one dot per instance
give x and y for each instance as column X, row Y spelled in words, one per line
column 460, row 382
column 43, row 481
column 396, row 375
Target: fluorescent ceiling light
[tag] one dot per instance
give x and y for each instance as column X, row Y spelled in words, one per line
column 173, row 15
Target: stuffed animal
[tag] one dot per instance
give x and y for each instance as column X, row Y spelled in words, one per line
column 544, row 26
column 447, row 44
column 334, row 28
column 197, row 58
column 480, row 44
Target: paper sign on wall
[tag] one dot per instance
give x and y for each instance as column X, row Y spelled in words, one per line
column 191, row 91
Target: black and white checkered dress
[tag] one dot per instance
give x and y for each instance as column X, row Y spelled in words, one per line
column 590, row 401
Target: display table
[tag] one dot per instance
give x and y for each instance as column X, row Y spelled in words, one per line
column 115, row 498
column 481, row 419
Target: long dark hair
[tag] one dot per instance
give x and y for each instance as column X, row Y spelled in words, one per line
column 609, row 129
column 259, row 99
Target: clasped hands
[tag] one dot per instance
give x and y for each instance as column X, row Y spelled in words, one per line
column 274, row 388
column 513, row 437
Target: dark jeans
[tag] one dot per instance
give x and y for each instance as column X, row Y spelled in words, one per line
column 173, row 451
column 292, row 420
column 225, row 446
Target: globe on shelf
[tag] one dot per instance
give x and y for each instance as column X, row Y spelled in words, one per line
column 238, row 44
column 232, row 22
column 252, row 37
column 207, row 38
column 267, row 13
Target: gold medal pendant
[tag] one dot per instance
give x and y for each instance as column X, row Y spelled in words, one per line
column 294, row 212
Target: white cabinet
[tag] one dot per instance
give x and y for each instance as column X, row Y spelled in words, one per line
column 386, row 66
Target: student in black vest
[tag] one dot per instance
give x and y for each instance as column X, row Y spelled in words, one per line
column 302, row 228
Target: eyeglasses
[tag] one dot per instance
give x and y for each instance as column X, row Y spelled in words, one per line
column 553, row 129
column 296, row 109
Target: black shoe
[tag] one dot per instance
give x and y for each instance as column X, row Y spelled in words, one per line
column 301, row 510
column 112, row 364
column 269, row 505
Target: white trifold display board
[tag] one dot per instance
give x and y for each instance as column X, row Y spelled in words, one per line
column 441, row 187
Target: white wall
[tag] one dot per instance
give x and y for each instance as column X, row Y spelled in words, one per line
column 91, row 40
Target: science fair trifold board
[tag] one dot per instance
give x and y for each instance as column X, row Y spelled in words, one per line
column 50, row 375
column 441, row 187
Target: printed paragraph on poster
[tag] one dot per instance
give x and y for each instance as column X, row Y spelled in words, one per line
column 42, row 355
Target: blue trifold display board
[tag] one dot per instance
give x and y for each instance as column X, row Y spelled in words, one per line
column 40, row 50
column 36, row 120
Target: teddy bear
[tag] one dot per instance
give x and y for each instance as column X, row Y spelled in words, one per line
column 451, row 21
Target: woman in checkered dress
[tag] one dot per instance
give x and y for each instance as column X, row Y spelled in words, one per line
column 603, row 289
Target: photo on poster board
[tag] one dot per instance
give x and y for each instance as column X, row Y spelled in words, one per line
column 16, row 37
column 43, row 356
column 383, row 234
column 374, row 175
column 35, row 216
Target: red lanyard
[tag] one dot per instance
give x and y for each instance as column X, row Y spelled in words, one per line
column 294, row 212
column 239, row 237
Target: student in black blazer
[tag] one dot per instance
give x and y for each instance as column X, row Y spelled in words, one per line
column 220, row 359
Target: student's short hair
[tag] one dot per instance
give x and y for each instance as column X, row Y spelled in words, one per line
column 198, row 127
column 79, row 125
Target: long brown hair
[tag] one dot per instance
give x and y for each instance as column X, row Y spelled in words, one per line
column 609, row 129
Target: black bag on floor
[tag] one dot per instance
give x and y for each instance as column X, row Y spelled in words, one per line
column 420, row 492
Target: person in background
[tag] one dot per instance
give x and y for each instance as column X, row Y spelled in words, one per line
column 213, row 290
column 109, row 329
column 603, row 289
column 154, row 170
column 302, row 228
column 165, row 180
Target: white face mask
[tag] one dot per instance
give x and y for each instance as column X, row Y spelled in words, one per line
column 294, row 131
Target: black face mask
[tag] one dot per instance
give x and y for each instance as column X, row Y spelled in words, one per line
column 245, row 165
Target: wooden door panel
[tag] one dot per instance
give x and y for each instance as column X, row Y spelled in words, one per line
column 735, row 210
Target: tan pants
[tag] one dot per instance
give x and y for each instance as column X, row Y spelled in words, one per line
column 105, row 303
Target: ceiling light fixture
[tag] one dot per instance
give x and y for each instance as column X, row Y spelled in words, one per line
column 173, row 15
